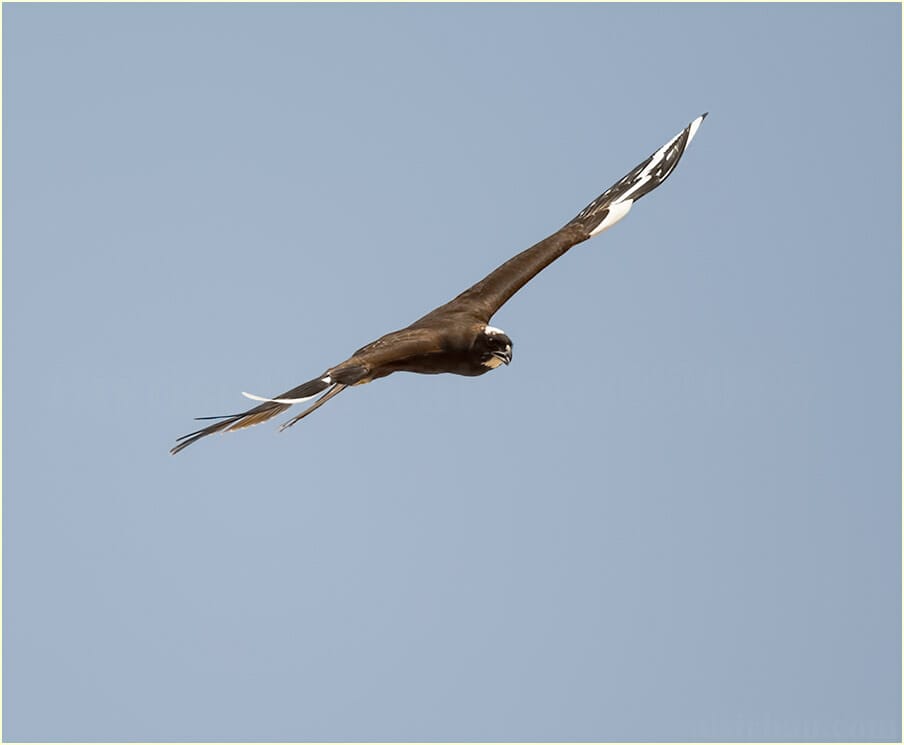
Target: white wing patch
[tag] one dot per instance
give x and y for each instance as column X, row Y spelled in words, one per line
column 325, row 379
column 253, row 397
column 616, row 212
column 695, row 125
column 660, row 154
column 622, row 204
column 618, row 198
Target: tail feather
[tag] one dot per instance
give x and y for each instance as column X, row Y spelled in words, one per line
column 336, row 389
column 265, row 411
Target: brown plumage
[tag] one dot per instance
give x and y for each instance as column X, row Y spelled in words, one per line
column 455, row 337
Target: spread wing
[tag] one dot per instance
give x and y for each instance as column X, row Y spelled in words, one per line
column 487, row 296
column 267, row 410
column 430, row 335
column 374, row 360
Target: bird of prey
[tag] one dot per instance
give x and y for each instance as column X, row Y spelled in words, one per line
column 456, row 337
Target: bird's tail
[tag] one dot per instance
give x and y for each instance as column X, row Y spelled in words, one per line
column 268, row 409
column 614, row 203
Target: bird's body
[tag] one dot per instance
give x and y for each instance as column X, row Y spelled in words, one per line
column 428, row 348
column 456, row 337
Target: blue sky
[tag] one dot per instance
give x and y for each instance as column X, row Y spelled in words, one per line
column 675, row 516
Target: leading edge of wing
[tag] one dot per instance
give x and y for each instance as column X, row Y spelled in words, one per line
column 483, row 299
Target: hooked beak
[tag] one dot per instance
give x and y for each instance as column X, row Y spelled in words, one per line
column 506, row 356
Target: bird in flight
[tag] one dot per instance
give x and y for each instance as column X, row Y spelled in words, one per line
column 456, row 337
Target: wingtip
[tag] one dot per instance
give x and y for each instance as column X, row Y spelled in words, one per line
column 694, row 126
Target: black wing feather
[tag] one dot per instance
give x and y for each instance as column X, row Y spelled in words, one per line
column 483, row 299
column 258, row 414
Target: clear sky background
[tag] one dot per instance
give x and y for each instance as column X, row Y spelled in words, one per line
column 675, row 516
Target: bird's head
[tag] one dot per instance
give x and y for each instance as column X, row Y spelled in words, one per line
column 493, row 347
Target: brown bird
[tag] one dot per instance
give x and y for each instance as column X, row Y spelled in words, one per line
column 456, row 338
